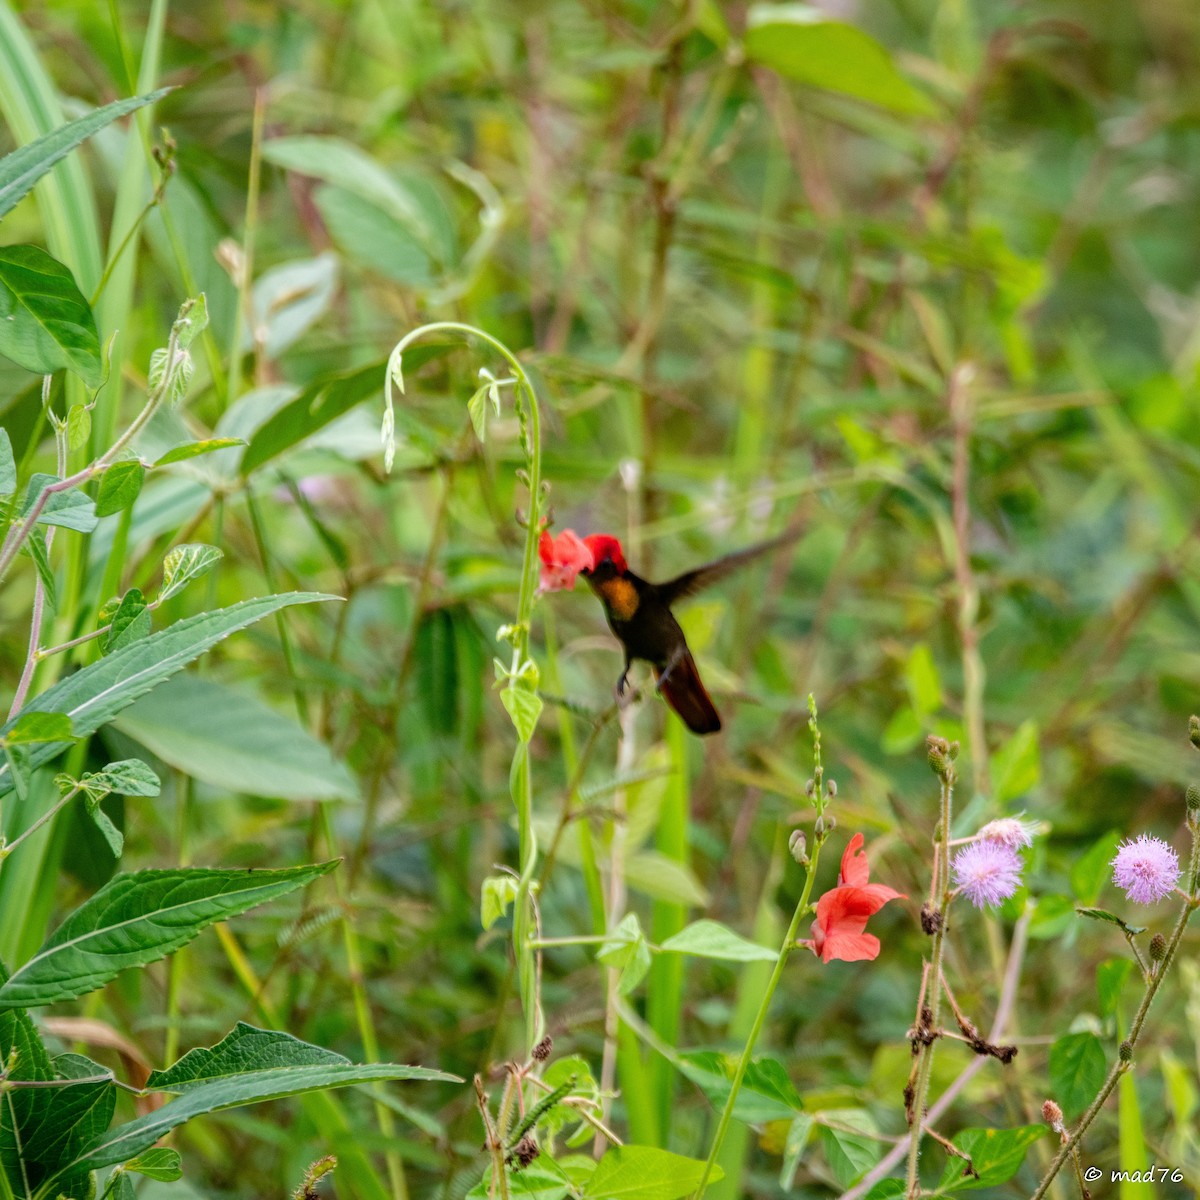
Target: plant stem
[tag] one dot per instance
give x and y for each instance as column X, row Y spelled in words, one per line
column 785, row 950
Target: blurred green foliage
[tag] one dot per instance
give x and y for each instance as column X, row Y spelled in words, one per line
column 749, row 291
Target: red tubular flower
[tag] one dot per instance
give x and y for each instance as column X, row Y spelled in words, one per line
column 563, row 557
column 842, row 912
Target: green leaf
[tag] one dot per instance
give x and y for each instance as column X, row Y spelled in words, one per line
column 79, row 426
column 996, row 1154
column 45, row 323
column 1102, row 914
column 195, row 449
column 244, row 1048
column 21, row 169
column 372, row 237
column 1110, row 979
column 119, row 487
column 288, row 299
column 802, row 44
column 662, row 878
column 1016, row 766
column 126, row 777
column 138, row 919
column 711, row 939
column 851, row 1143
column 32, row 727
column 114, row 838
column 1077, row 1070
column 70, row 509
column 793, row 1149
column 123, row 1142
column 230, row 739
column 159, row 1163
column 8, row 465
column 625, row 949
column 921, row 678
column 496, row 894
column 192, row 320
column 130, row 622
column 1093, row 868
column 767, row 1094
column 645, row 1173
column 184, row 563
column 93, row 696
column 182, row 370
column 35, row 547
column 524, row 707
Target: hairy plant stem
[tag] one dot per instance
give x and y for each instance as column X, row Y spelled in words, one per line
column 789, row 944
column 934, row 992
column 1123, row 1064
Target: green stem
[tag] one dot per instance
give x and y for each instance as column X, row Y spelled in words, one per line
column 789, row 943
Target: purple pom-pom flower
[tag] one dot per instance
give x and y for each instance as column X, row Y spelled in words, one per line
column 1145, row 869
column 987, row 872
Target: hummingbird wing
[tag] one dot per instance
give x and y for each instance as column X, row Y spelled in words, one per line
column 691, row 582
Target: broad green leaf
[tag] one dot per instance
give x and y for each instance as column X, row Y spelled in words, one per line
column 8, row 465
column 1077, row 1069
column 711, row 939
column 767, row 1094
column 195, row 449
column 543, row 1179
column 996, row 1154
column 1111, row 975
column 1052, row 915
column 159, row 1163
column 21, row 169
column 182, row 370
column 497, row 893
column 524, row 707
column 45, row 323
column 372, row 237
column 130, row 622
column 230, row 739
column 126, row 777
column 662, row 878
column 70, row 509
column 314, row 408
column 288, row 299
column 123, row 1142
column 793, row 1149
column 185, row 563
column 645, row 1173
column 244, row 1048
column 1016, row 766
column 921, row 678
column 138, row 919
column 33, row 727
column 79, row 426
column 93, row 696
column 1091, row 871
column 803, row 44
column 625, row 949
column 850, row 1139
column 113, row 837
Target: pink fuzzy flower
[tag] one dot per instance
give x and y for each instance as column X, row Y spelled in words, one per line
column 1145, row 869
column 987, row 872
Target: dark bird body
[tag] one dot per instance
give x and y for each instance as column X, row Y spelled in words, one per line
column 639, row 614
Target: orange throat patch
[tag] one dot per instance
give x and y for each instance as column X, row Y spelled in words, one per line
column 621, row 597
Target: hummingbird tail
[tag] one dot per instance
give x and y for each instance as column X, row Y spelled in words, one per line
column 683, row 691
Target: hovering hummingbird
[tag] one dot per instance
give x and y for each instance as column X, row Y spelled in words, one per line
column 639, row 613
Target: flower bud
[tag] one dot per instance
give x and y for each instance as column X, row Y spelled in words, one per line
column 831, row 822
column 810, row 788
column 541, row 1052
column 819, row 827
column 1052, row 1115
column 798, row 847
column 1125, row 1052
column 1194, row 731
column 1192, row 798
column 1158, row 948
column 831, row 789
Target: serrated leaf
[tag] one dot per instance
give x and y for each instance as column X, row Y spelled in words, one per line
column 195, row 449
column 496, row 894
column 711, row 939
column 160, row 1162
column 1102, row 914
column 138, row 919
column 996, row 1154
column 524, row 707
column 130, row 622
column 8, row 465
column 46, row 325
column 230, row 739
column 79, row 426
column 645, row 1173
column 244, row 1048
column 21, row 169
column 32, row 727
column 93, row 696
column 1077, row 1070
column 184, row 563
column 119, row 487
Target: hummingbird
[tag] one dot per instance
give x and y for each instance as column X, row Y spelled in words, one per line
column 639, row 614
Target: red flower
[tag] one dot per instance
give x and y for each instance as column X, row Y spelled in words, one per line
column 842, row 913
column 563, row 557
